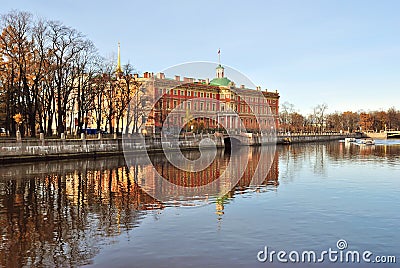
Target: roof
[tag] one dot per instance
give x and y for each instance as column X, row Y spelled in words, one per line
column 220, row 82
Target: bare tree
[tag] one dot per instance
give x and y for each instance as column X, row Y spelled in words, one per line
column 284, row 115
column 66, row 43
column 319, row 114
column 107, row 88
column 85, row 95
column 99, row 86
column 393, row 118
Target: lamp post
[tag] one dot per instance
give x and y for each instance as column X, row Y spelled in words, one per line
column 18, row 120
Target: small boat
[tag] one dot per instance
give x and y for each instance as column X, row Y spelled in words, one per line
column 286, row 141
column 366, row 142
column 348, row 140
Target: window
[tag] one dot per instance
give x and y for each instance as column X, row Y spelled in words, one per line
column 175, row 92
column 213, row 107
column 201, row 94
column 201, row 106
column 195, row 93
column 188, row 105
column 208, row 95
column 175, row 104
column 182, row 93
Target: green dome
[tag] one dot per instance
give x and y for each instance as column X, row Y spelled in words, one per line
column 220, row 82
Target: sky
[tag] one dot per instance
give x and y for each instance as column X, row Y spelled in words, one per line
column 345, row 54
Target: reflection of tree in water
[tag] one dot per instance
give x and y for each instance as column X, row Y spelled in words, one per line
column 60, row 219
column 317, row 156
column 293, row 158
column 386, row 151
column 318, row 161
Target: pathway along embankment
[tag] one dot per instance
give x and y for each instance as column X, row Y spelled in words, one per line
column 30, row 150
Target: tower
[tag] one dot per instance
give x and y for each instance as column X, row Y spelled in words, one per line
column 119, row 70
column 220, row 71
column 220, row 79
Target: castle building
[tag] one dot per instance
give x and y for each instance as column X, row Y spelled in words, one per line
column 215, row 103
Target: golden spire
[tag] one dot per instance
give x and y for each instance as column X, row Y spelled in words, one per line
column 119, row 70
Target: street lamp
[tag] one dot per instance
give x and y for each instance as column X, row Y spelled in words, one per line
column 18, row 119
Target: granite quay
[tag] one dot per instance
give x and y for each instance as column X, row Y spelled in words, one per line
column 47, row 149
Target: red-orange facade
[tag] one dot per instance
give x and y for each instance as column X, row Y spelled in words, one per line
column 198, row 105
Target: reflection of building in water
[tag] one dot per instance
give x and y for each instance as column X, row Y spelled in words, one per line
column 260, row 171
column 258, row 175
column 267, row 173
column 193, row 179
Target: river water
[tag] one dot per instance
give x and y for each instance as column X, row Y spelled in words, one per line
column 92, row 212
